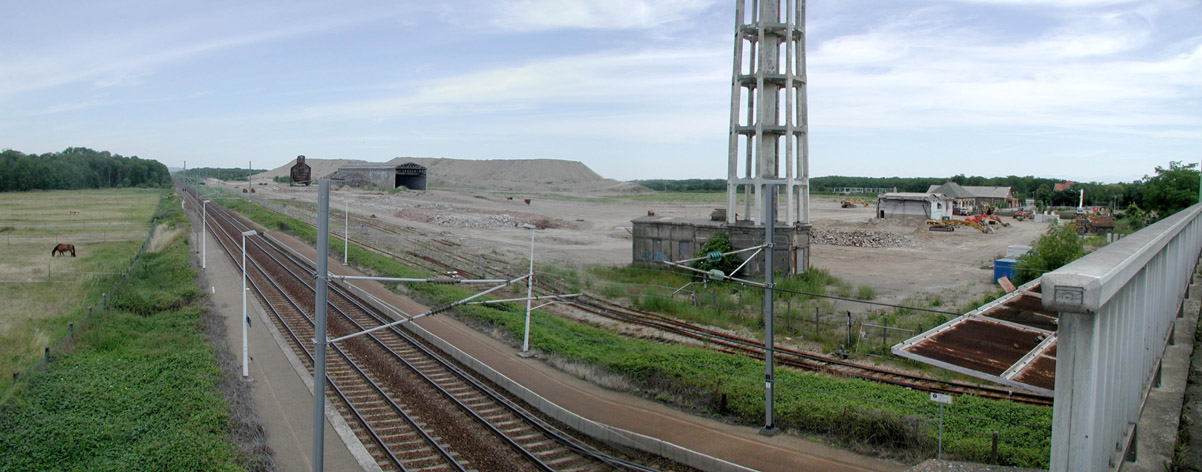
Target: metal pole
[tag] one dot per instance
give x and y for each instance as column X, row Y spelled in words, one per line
column 769, row 314
column 204, row 235
column 249, row 188
column 319, row 347
column 245, row 317
column 529, row 292
column 939, row 455
column 346, row 221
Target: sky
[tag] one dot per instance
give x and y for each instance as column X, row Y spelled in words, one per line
column 1087, row 90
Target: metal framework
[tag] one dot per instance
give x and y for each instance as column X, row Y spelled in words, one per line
column 772, row 35
column 1117, row 309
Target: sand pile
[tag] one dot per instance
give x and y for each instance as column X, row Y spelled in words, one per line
column 516, row 175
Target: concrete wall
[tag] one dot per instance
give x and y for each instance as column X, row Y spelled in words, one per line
column 657, row 240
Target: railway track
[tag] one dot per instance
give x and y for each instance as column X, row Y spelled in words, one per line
column 411, row 407
column 441, row 256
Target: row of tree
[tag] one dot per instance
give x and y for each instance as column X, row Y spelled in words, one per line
column 1166, row 191
column 221, row 173
column 78, row 168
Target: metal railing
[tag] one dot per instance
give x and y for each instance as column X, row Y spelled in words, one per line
column 1117, row 308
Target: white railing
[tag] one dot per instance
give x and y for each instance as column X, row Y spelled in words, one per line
column 1117, row 307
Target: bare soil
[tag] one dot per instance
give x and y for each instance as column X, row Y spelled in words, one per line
column 594, row 228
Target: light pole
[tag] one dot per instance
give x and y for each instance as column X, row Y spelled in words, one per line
column 204, row 236
column 245, row 317
column 346, row 221
column 529, row 291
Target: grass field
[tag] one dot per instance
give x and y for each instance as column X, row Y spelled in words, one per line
column 42, row 293
column 138, row 390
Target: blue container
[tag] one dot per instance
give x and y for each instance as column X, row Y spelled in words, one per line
column 1004, row 268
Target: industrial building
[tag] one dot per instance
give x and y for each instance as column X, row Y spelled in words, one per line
column 408, row 175
column 301, row 173
column 912, row 207
column 972, row 200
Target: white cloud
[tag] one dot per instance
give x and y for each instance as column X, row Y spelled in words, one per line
column 525, row 15
column 1083, row 74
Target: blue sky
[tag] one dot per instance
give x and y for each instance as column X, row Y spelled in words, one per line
column 1089, row 90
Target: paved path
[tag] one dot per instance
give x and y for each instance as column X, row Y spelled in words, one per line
column 736, row 444
column 281, row 387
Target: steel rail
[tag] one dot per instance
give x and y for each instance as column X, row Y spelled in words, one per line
column 297, row 339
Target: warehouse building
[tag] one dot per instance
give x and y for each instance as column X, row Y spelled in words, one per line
column 913, row 207
column 408, row 175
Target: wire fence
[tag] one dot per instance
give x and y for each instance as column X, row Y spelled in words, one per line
column 65, row 343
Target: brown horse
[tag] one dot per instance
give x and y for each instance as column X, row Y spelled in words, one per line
column 63, row 249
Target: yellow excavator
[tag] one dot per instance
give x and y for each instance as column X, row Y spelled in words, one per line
column 950, row 225
column 853, row 202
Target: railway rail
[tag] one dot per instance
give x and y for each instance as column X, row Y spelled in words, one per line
column 413, row 408
column 448, row 256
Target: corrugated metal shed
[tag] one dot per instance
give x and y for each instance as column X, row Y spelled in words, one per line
column 1010, row 341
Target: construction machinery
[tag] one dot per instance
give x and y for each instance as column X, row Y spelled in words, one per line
column 851, row 203
column 950, row 225
column 987, row 220
column 1094, row 224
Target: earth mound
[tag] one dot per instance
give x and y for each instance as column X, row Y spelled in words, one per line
column 518, row 175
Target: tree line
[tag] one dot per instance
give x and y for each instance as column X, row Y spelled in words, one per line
column 1166, row 191
column 222, row 173
column 78, row 168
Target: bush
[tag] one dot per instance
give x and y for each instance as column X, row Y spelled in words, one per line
column 1059, row 246
column 727, row 264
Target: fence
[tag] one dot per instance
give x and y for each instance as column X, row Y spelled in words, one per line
column 93, row 311
column 1117, row 309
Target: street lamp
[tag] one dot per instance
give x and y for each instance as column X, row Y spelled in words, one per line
column 204, row 236
column 245, row 317
column 529, row 291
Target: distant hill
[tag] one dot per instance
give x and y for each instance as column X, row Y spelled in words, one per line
column 543, row 175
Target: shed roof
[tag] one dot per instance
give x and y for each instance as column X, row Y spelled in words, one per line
column 951, row 189
column 1011, row 341
column 990, row 192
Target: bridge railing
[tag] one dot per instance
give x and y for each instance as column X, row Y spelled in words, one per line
column 1117, row 307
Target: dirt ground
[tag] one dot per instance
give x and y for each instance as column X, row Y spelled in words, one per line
column 595, row 229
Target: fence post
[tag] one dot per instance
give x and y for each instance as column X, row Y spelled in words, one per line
column 993, row 450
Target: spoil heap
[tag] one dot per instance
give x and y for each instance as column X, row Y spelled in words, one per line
column 863, row 238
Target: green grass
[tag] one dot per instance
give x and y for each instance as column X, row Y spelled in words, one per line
column 138, row 392
column 854, row 412
column 107, row 233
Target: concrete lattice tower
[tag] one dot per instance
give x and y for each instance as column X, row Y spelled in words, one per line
column 768, row 118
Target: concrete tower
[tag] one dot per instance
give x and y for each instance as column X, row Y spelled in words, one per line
column 768, row 129
column 768, row 117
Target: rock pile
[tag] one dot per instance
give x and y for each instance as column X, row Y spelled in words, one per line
column 474, row 220
column 862, row 238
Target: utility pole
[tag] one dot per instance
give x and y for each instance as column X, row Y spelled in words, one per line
column 769, row 312
column 319, row 346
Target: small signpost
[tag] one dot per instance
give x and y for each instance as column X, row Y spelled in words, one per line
column 941, row 399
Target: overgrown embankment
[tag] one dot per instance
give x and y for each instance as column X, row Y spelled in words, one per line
column 863, row 415
column 139, row 390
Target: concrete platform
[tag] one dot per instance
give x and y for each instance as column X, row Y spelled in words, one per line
column 281, row 386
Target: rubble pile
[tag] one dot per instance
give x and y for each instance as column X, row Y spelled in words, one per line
column 862, row 238
column 474, row 221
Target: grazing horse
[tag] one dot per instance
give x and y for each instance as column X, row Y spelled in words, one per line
column 63, row 249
